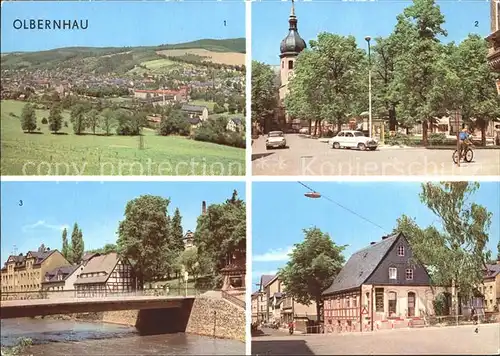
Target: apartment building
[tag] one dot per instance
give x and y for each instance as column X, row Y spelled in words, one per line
column 25, row 273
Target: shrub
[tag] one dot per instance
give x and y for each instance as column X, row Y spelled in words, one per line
column 45, row 121
column 399, row 139
column 66, row 124
column 436, row 139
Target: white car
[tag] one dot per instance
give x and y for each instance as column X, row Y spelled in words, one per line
column 353, row 139
column 275, row 139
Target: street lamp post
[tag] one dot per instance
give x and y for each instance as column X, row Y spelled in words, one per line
column 368, row 39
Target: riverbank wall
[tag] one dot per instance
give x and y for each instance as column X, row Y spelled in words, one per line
column 207, row 316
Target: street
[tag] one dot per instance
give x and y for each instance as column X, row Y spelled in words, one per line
column 432, row 340
column 312, row 157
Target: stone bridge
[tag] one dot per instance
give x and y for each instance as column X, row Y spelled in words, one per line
column 40, row 307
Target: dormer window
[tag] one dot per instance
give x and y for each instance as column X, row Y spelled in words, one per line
column 59, row 277
column 401, row 250
column 409, row 274
column 393, row 273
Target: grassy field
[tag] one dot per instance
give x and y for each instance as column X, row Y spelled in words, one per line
column 68, row 154
column 229, row 58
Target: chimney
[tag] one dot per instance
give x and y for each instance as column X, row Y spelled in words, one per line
column 372, row 243
column 203, row 207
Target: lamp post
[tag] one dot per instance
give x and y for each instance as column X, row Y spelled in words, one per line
column 368, row 39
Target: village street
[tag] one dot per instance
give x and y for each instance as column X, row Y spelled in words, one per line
column 432, row 340
column 312, row 157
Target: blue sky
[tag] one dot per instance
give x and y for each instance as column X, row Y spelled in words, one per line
column 47, row 207
column 280, row 211
column 360, row 19
column 121, row 23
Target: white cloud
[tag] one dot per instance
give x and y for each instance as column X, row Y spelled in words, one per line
column 43, row 224
column 277, row 255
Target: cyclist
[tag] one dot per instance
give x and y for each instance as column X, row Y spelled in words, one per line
column 464, row 140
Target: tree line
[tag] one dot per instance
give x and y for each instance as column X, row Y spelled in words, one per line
column 200, row 61
column 416, row 78
column 454, row 253
column 152, row 240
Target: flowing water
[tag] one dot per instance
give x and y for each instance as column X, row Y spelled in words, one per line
column 64, row 337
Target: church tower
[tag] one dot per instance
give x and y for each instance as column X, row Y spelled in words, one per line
column 290, row 48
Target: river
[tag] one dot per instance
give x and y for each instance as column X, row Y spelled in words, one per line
column 64, row 337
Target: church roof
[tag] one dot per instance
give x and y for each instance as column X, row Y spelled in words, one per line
column 292, row 44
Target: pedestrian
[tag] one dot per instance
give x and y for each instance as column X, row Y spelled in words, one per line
column 473, row 315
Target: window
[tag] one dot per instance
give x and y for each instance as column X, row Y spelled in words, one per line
column 358, row 134
column 283, row 64
column 379, row 299
column 409, row 274
column 392, row 303
column 340, row 134
column 349, row 134
column 354, row 302
column 393, row 273
column 290, row 64
column 401, row 250
column 348, row 302
column 411, row 304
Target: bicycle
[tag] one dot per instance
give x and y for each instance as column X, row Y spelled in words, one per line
column 467, row 156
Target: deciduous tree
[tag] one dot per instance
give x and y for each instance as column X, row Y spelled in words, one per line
column 28, row 118
column 264, row 92
column 77, row 245
column 313, row 265
column 144, row 237
column 454, row 253
column 55, row 118
column 221, row 231
column 66, row 250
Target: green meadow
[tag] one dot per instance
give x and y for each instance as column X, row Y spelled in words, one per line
column 45, row 153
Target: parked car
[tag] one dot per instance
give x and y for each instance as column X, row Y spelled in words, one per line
column 275, row 139
column 304, row 130
column 353, row 139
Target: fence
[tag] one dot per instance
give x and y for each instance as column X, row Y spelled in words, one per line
column 65, row 294
column 233, row 299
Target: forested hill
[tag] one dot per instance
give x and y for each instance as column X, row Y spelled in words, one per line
column 92, row 56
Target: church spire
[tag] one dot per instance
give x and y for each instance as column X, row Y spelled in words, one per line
column 292, row 20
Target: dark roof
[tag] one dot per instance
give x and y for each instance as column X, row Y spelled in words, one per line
column 41, row 256
column 266, row 278
column 237, row 121
column 196, row 108
column 193, row 120
column 292, row 44
column 361, row 265
column 492, row 271
column 89, row 255
column 66, row 271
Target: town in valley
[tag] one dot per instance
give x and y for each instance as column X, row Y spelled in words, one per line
column 170, row 107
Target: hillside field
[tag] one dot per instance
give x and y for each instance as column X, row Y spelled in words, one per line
column 45, row 153
column 229, row 58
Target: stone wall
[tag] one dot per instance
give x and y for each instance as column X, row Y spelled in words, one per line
column 217, row 318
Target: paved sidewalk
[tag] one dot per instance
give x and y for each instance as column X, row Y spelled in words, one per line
column 454, row 340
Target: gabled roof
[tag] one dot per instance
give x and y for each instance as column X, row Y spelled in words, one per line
column 237, row 121
column 101, row 265
column 65, row 271
column 492, row 271
column 89, row 255
column 195, row 108
column 265, row 279
column 361, row 265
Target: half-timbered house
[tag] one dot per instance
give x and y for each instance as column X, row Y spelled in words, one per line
column 104, row 275
column 381, row 286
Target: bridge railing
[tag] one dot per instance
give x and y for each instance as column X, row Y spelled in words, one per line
column 233, row 299
column 65, row 294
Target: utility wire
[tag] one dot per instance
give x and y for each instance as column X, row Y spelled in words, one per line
column 343, row 207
